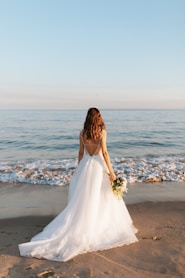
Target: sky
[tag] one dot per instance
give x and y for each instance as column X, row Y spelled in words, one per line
column 74, row 54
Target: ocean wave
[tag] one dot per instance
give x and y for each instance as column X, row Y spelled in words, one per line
column 59, row 172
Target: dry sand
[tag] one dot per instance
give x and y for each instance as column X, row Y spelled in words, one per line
column 160, row 251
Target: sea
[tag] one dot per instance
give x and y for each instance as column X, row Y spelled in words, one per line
column 41, row 146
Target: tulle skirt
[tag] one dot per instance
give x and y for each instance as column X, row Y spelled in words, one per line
column 94, row 219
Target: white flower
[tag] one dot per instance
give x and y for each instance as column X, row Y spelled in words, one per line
column 119, row 187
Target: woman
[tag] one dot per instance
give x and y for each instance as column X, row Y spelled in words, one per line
column 94, row 219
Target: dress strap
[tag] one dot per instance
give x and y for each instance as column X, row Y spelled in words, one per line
column 97, row 147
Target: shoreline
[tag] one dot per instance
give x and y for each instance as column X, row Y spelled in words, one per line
column 159, row 252
column 18, row 200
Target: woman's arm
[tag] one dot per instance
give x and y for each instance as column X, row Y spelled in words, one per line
column 107, row 157
column 81, row 148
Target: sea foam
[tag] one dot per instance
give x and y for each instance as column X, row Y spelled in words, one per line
column 59, row 172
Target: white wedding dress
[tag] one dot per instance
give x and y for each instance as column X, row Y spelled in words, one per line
column 94, row 219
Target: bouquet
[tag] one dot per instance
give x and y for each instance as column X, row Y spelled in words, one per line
column 119, row 187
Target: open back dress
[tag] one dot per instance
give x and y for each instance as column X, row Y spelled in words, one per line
column 94, row 219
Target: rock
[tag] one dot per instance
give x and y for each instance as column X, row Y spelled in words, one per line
column 46, row 273
column 156, row 238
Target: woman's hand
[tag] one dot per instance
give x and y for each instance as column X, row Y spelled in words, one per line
column 112, row 176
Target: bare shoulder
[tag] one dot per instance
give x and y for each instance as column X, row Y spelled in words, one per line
column 81, row 133
column 104, row 132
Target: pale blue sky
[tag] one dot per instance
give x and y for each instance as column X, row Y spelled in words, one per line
column 62, row 54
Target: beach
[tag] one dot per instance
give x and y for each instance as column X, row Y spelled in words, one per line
column 157, row 211
column 82, row 82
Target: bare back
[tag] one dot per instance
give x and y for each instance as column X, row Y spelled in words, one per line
column 92, row 147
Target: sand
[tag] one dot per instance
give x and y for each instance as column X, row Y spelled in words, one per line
column 160, row 251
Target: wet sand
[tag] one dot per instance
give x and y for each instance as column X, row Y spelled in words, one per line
column 157, row 210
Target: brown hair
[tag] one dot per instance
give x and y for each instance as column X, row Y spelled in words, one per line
column 93, row 124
